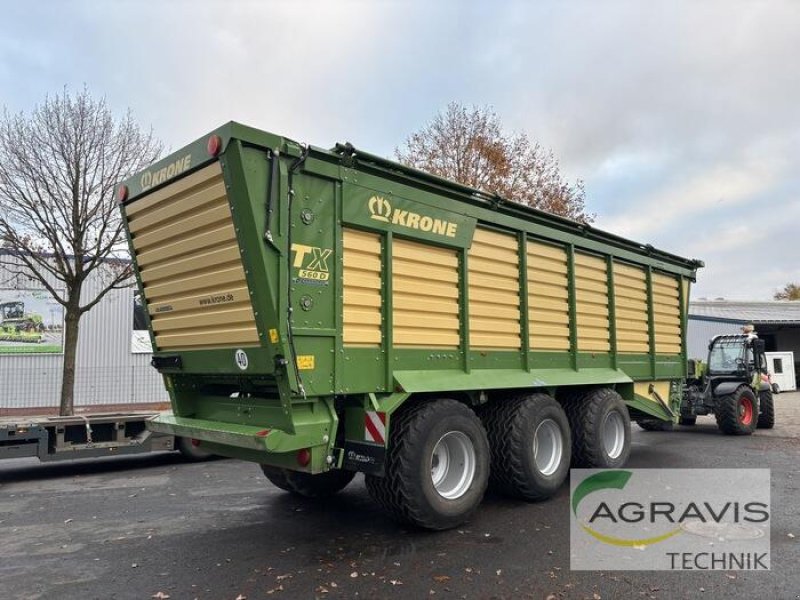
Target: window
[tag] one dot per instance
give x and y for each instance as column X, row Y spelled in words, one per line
column 777, row 364
column 728, row 357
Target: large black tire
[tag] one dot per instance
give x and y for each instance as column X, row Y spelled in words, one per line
column 766, row 410
column 601, row 428
column 191, row 452
column 307, row 485
column 407, row 491
column 655, row 425
column 688, row 420
column 530, row 443
column 737, row 413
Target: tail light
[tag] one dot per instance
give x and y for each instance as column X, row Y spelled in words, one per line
column 303, row 457
column 214, row 145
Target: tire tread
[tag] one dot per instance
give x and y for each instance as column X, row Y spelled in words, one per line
column 397, row 491
column 584, row 409
column 506, row 428
column 727, row 412
column 306, row 485
column 766, row 410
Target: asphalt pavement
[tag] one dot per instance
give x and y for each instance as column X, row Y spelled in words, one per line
column 157, row 527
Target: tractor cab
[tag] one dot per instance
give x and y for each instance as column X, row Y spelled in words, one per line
column 11, row 310
column 736, row 358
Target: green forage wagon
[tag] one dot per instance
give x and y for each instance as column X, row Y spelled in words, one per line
column 328, row 312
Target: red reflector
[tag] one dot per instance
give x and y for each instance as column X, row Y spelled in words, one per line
column 263, row 433
column 214, row 145
column 122, row 193
column 303, row 457
column 195, row 442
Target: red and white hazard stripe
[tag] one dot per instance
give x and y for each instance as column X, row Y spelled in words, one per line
column 375, row 427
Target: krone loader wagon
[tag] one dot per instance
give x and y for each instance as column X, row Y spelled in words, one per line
column 329, row 312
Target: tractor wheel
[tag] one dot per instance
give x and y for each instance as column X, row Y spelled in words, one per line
column 437, row 465
column 601, row 428
column 190, row 450
column 766, row 410
column 655, row 425
column 776, row 389
column 306, row 484
column 737, row 413
column 530, row 444
column 688, row 420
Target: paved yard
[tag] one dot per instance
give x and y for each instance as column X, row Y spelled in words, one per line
column 131, row 528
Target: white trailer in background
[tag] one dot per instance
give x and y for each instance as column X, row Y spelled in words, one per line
column 781, row 370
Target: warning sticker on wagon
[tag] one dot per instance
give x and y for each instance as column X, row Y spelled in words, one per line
column 305, row 362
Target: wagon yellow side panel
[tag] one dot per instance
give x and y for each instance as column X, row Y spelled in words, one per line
column 193, row 278
column 493, row 279
column 591, row 303
column 362, row 326
column 548, row 297
column 666, row 314
column 630, row 306
column 648, row 389
column 424, row 296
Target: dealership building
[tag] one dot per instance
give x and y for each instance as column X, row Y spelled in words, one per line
column 113, row 359
column 776, row 322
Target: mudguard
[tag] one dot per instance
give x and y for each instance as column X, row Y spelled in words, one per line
column 727, row 387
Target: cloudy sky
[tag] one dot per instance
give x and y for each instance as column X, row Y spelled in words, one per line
column 683, row 117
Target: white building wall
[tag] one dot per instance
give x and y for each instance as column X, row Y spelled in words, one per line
column 106, row 370
column 700, row 331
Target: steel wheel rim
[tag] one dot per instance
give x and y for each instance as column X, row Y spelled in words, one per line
column 453, row 465
column 613, row 434
column 548, row 447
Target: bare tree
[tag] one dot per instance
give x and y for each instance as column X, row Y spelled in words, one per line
column 468, row 145
column 58, row 168
column 791, row 291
